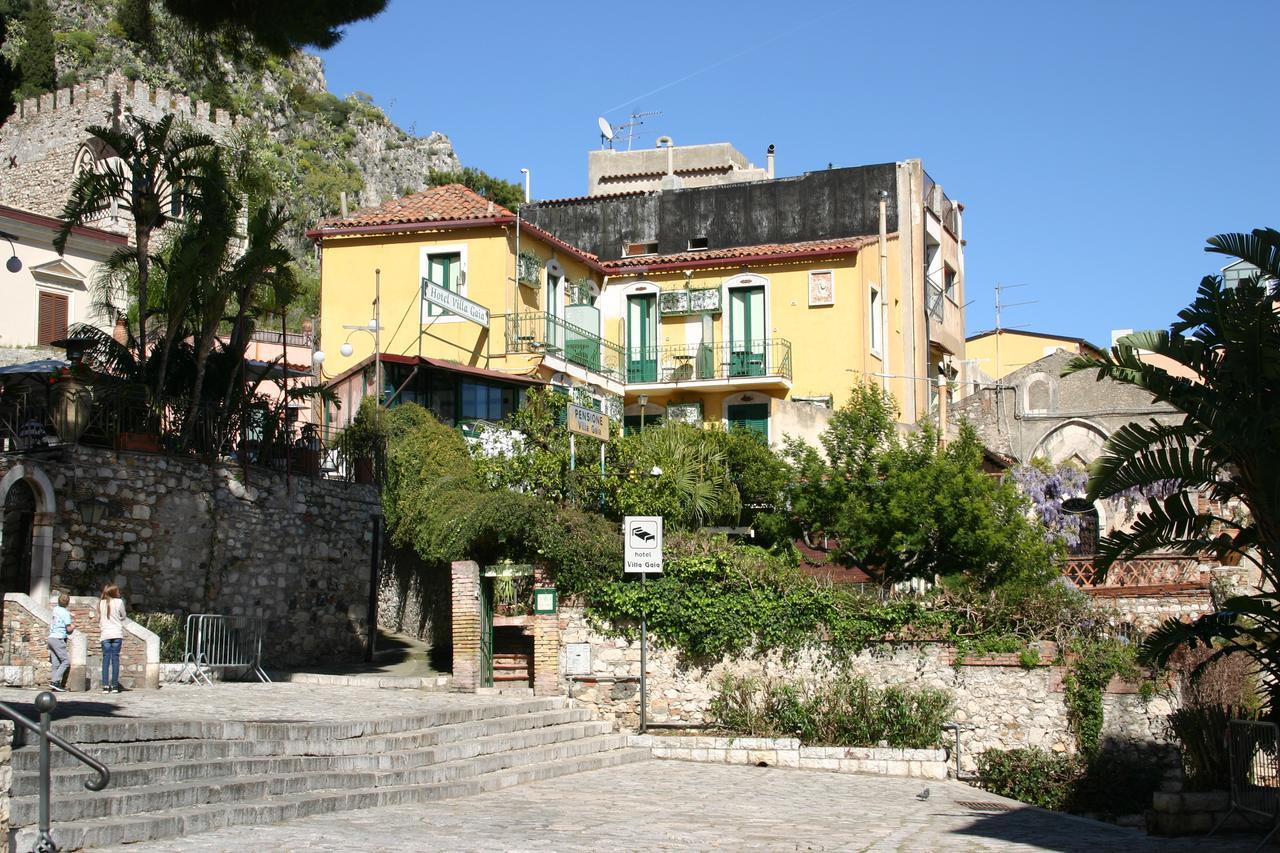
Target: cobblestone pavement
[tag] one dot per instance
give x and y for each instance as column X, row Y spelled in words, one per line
column 672, row 805
column 250, row 701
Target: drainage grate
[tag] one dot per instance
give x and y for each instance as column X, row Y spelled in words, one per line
column 978, row 806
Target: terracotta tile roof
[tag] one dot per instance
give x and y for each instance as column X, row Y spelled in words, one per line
column 448, row 203
column 840, row 245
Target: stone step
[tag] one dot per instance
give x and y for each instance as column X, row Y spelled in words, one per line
column 71, row 781
column 133, row 827
column 88, row 731
column 119, row 755
column 159, row 797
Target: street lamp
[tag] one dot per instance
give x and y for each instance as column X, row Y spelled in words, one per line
column 643, row 400
column 373, row 327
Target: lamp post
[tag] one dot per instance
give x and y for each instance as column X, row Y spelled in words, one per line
column 643, row 400
column 373, row 327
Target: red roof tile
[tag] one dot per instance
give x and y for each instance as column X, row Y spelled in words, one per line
column 838, row 246
column 448, row 203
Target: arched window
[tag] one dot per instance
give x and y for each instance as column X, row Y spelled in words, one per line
column 1038, row 395
column 1087, row 544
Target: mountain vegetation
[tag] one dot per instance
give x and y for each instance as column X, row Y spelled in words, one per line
column 308, row 146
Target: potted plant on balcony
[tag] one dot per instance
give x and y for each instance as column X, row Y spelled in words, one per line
column 362, row 442
column 529, row 269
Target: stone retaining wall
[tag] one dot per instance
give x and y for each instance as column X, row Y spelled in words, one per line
column 185, row 536
column 787, row 752
column 1000, row 704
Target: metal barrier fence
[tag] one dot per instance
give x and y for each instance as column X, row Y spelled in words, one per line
column 222, row 642
column 1253, row 754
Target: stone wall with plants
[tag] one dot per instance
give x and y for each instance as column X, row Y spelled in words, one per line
column 185, row 536
column 1000, row 704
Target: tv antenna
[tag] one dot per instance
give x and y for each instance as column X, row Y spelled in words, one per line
column 637, row 119
column 1000, row 306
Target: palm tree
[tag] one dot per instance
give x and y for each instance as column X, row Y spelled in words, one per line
column 1226, row 448
column 152, row 167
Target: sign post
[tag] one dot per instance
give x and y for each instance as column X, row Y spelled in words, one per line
column 642, row 554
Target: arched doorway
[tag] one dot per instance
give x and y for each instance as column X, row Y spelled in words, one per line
column 16, row 538
column 26, row 550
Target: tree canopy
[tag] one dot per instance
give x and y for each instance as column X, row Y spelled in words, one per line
column 280, row 26
column 509, row 195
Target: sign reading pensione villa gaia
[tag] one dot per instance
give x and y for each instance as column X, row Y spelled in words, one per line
column 454, row 303
column 642, row 544
column 588, row 422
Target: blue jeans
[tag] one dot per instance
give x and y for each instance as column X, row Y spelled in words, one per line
column 111, row 663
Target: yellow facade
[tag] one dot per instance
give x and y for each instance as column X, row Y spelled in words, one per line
column 769, row 328
column 997, row 354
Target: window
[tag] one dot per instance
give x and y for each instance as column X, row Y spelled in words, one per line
column 488, row 402
column 52, row 322
column 444, row 269
column 749, row 416
column 632, row 249
column 631, row 424
column 875, row 322
column 697, row 244
column 949, row 283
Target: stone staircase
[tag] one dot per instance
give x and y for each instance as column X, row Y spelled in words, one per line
column 173, row 778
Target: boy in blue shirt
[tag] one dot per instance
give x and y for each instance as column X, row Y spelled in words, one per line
column 59, row 628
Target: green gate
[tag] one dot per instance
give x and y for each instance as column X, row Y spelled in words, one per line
column 486, row 632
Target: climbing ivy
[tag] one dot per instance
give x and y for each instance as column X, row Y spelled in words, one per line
column 1092, row 664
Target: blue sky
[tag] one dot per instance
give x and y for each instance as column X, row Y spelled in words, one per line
column 1094, row 144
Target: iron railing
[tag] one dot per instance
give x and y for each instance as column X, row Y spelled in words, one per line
column 702, row 362
column 935, row 301
column 538, row 332
column 45, row 703
column 256, row 435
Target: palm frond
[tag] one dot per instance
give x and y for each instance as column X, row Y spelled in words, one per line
column 1260, row 247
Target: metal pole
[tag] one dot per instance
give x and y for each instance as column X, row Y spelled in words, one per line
column 377, row 332
column 573, row 453
column 45, row 703
column 374, row 567
column 644, row 662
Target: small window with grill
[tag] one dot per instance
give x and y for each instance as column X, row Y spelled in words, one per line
column 633, row 249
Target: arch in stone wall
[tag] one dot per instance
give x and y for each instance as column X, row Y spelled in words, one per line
column 1072, row 440
column 42, row 527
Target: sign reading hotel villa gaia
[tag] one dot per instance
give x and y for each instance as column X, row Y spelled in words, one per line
column 588, row 422
column 455, row 303
column 642, row 535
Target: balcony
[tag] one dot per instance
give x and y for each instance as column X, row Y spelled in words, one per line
column 760, row 364
column 553, row 336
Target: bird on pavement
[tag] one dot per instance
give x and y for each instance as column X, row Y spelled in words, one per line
column 923, row 795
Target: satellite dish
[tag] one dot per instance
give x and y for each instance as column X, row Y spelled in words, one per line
column 606, row 129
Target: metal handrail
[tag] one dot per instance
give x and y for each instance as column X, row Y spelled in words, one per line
column 45, row 703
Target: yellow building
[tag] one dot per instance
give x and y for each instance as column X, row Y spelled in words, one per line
column 619, row 301
column 998, row 353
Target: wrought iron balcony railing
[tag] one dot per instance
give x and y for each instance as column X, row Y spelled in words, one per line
column 704, row 362
column 538, row 332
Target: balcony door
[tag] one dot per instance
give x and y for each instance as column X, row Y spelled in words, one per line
column 746, row 331
column 642, row 337
column 555, row 313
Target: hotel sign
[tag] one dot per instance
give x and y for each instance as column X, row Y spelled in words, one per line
column 588, row 422
column 455, row 303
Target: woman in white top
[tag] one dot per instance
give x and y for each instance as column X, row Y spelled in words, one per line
column 111, row 624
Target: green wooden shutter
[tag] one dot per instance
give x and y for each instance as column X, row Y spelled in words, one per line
column 752, row 416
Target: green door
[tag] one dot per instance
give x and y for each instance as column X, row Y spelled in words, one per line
column 642, row 338
column 752, row 416
column 746, row 331
column 555, row 313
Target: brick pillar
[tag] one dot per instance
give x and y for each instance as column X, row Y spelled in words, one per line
column 467, row 619
column 546, row 643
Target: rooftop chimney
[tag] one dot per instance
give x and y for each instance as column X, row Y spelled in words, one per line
column 770, row 163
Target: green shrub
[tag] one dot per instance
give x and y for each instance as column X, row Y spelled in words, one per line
column 169, row 628
column 1109, row 783
column 841, row 711
column 1032, row 776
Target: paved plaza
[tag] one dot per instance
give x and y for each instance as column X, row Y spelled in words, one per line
column 673, row 805
column 654, row 805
